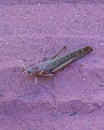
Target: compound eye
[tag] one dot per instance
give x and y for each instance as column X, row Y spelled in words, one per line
column 29, row 71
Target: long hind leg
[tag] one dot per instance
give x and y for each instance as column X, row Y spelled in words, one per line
column 58, row 52
column 44, row 58
column 62, row 66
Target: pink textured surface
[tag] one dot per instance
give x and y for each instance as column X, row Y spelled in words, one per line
column 33, row 29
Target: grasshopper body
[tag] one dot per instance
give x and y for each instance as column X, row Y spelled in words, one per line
column 50, row 66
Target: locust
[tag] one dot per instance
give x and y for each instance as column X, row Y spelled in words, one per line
column 50, row 66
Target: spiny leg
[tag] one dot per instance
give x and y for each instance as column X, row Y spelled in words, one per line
column 58, row 52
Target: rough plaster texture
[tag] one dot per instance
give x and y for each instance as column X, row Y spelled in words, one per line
column 34, row 29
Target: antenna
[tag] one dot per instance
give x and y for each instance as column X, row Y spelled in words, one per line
column 24, row 67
